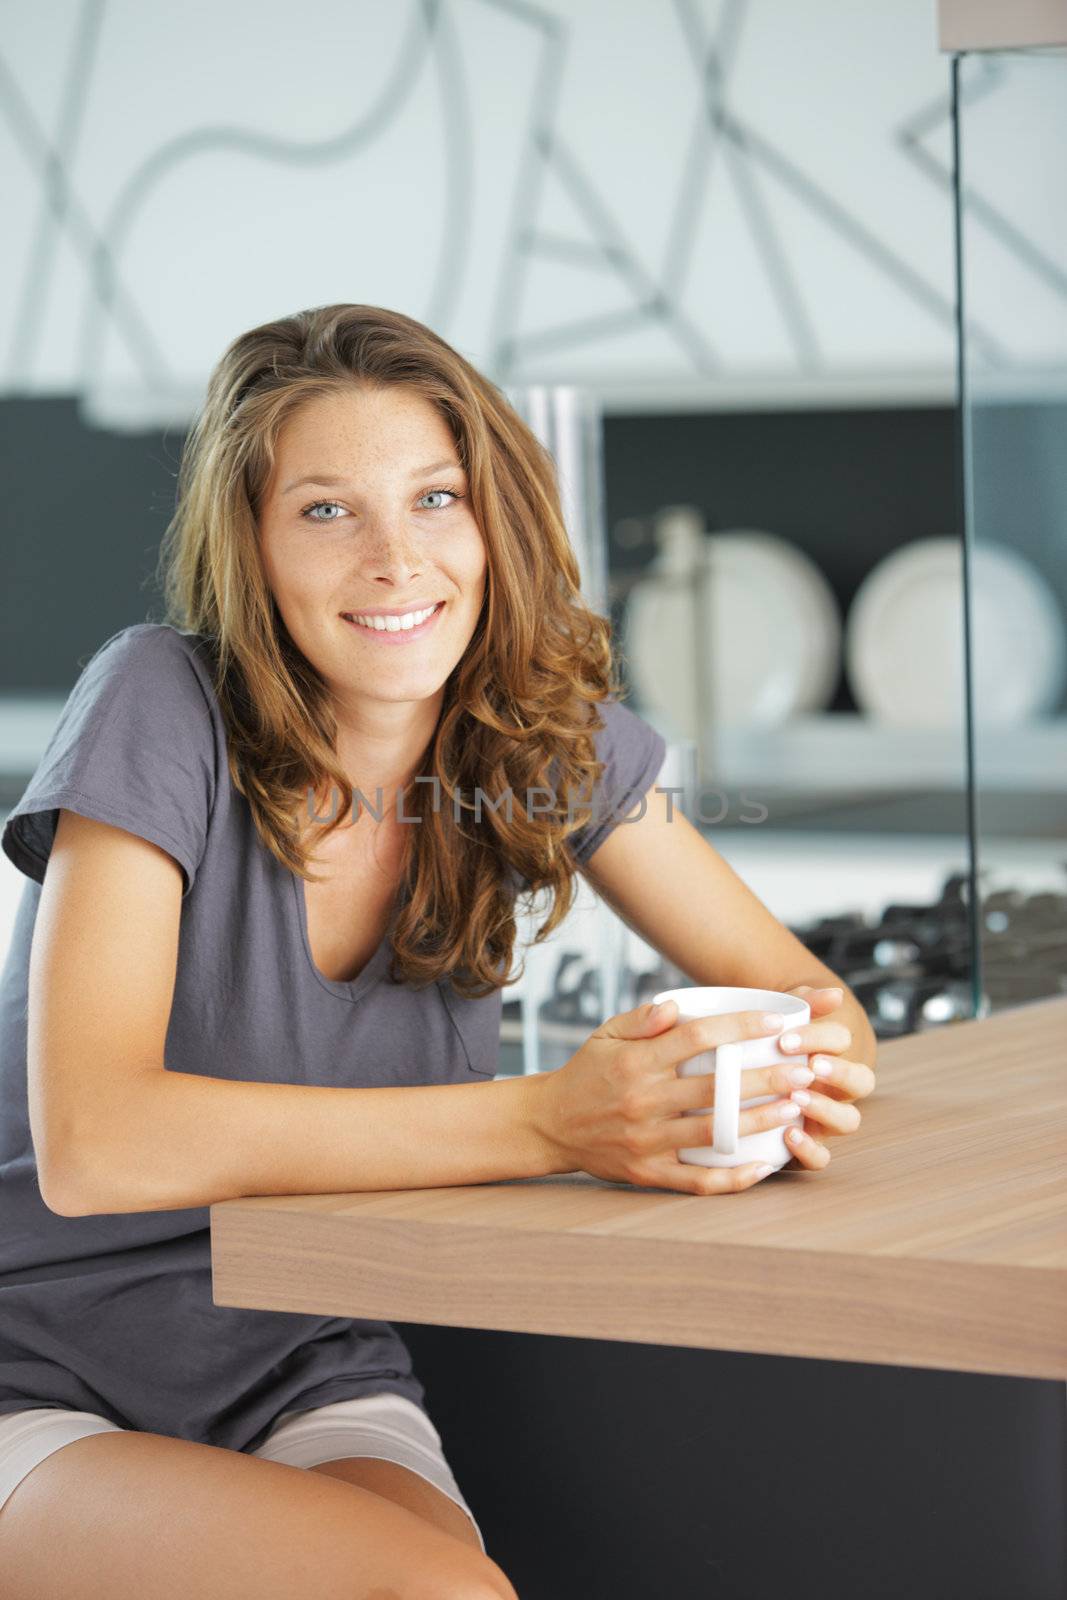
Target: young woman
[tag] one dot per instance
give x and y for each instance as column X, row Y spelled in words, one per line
column 373, row 612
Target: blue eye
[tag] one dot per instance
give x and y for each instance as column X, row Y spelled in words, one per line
column 318, row 505
column 451, row 492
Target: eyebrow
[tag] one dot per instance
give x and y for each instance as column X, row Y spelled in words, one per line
column 329, row 480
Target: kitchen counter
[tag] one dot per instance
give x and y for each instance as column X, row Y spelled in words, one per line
column 835, row 1383
column 937, row 1237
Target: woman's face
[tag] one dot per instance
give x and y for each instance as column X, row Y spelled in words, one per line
column 367, row 513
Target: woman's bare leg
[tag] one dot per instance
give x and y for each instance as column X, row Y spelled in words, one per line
column 142, row 1516
column 415, row 1494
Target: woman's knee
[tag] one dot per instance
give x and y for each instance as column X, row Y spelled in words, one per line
column 130, row 1514
column 482, row 1580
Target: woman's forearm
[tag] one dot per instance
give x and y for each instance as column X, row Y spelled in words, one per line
column 181, row 1140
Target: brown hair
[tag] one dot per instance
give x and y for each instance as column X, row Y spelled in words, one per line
column 518, row 708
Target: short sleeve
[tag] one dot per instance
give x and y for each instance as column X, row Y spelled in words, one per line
column 134, row 746
column 633, row 753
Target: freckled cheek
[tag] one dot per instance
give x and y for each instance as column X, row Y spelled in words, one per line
column 479, row 573
column 478, row 569
column 472, row 587
column 317, row 575
column 283, row 581
column 466, row 574
column 287, row 563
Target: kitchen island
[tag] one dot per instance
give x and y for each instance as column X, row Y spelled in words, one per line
column 849, row 1381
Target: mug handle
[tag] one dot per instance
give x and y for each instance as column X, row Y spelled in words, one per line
column 726, row 1112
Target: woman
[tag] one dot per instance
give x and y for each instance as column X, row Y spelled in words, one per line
column 318, row 1030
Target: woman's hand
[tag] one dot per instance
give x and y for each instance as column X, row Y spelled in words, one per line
column 838, row 1081
column 615, row 1108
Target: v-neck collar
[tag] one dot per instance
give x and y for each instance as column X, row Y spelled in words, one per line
column 370, row 974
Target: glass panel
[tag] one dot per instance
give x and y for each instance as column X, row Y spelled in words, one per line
column 911, row 746
column 1012, row 202
column 812, row 655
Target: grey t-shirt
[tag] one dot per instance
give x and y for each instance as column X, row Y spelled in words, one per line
column 113, row 1314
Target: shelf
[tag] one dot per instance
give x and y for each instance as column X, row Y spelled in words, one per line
column 639, row 394
column 853, row 752
column 839, row 751
column 135, row 408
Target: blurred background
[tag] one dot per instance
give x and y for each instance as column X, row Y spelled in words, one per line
column 783, row 288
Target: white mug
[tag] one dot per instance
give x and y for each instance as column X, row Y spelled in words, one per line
column 727, row 1061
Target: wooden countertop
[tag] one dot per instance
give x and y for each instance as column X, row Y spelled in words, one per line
column 935, row 1238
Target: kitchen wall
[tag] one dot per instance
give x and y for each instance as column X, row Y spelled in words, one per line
column 687, row 199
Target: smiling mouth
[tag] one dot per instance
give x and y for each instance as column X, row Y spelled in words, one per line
column 388, row 628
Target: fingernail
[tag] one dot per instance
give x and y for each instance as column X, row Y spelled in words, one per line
column 789, row 1041
column 801, row 1096
column 794, row 1135
column 801, row 1075
column 772, row 1021
column 821, row 1067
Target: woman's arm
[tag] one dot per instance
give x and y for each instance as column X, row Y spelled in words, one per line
column 673, row 888
column 177, row 1139
column 114, row 1131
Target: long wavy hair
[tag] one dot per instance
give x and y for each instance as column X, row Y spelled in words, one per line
column 519, row 709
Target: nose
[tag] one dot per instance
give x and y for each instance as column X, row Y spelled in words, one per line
column 391, row 551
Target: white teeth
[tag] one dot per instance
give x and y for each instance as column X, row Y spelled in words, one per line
column 410, row 619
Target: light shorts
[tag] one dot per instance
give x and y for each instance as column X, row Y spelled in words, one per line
column 387, row 1427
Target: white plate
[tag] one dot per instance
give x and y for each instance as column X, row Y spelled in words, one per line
column 769, row 645
column 904, row 638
